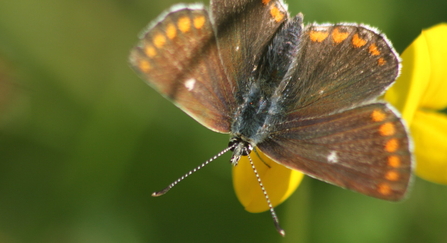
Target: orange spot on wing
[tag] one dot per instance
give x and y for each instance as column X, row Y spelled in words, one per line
column 381, row 61
column 387, row 129
column 374, row 50
column 339, row 36
column 150, row 51
column 357, row 41
column 276, row 14
column 184, row 24
column 384, row 189
column 171, row 31
column 199, row 21
column 392, row 175
column 318, row 36
column 378, row 116
column 144, row 66
column 392, row 145
column 159, row 40
column 265, row 2
column 394, row 161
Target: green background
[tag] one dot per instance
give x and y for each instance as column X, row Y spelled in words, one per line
column 84, row 142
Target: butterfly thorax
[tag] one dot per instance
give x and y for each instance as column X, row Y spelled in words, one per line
column 250, row 117
column 261, row 96
column 255, row 116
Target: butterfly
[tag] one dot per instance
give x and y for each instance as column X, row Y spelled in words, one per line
column 306, row 96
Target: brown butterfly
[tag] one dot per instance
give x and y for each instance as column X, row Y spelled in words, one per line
column 306, row 96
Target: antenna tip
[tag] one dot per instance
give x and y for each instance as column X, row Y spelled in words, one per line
column 282, row 232
column 160, row 193
column 279, row 229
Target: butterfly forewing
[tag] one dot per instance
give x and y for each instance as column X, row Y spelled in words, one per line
column 178, row 56
column 365, row 149
column 339, row 67
column 244, row 28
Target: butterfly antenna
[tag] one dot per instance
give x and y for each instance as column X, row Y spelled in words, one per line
column 164, row 191
column 272, row 210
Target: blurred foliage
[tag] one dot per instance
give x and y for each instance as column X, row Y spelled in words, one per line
column 84, row 142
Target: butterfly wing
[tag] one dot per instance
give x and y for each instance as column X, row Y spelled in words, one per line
column 332, row 128
column 365, row 149
column 338, row 67
column 193, row 59
column 244, row 29
column 178, row 56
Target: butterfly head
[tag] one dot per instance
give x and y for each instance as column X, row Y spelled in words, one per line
column 239, row 148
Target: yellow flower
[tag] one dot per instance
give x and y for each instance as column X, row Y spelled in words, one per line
column 420, row 93
column 279, row 182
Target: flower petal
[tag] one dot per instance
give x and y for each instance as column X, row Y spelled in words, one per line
column 279, row 182
column 435, row 96
column 423, row 80
column 430, row 139
column 408, row 89
column 420, row 93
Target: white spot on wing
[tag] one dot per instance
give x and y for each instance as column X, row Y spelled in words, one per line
column 332, row 157
column 189, row 84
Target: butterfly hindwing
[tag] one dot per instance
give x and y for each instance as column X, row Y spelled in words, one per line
column 365, row 149
column 178, row 56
